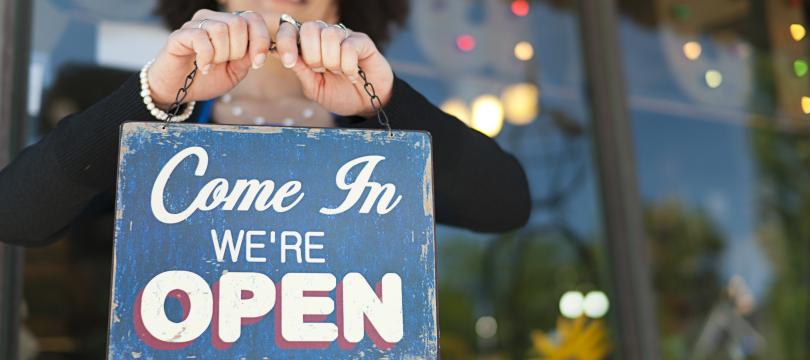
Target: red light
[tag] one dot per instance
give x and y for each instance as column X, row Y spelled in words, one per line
column 465, row 43
column 520, row 7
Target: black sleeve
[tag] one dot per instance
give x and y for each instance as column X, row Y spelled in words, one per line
column 48, row 185
column 477, row 185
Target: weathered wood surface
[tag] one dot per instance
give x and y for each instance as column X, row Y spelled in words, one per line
column 393, row 237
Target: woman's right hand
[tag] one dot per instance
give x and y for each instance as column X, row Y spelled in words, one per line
column 226, row 46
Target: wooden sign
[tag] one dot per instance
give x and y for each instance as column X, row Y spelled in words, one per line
column 272, row 243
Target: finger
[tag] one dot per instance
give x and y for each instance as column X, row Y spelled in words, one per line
column 311, row 44
column 237, row 34
column 203, row 14
column 220, row 38
column 259, row 38
column 348, row 59
column 237, row 30
column 193, row 41
column 287, row 44
column 363, row 45
column 331, row 38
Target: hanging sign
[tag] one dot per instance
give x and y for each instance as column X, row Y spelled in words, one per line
column 271, row 243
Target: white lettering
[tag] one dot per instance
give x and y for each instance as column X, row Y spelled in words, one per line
column 385, row 192
column 296, row 305
column 294, row 246
column 200, row 302
column 227, row 245
column 251, row 245
column 216, row 192
column 233, row 308
column 384, row 313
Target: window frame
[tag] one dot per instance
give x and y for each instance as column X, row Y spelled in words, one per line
column 621, row 210
column 15, row 22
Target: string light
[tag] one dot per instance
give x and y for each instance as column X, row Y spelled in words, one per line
column 524, row 51
column 487, row 115
column 806, row 104
column 571, row 304
column 457, row 108
column 520, row 102
column 486, row 327
column 797, row 31
column 713, row 78
column 800, row 67
column 520, row 7
column 596, row 304
column 692, row 50
column 465, row 42
column 680, row 11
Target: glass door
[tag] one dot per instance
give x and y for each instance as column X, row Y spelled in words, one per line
column 719, row 100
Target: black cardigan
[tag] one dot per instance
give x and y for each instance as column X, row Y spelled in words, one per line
column 477, row 185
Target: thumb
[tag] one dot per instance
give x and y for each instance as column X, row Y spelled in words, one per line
column 305, row 75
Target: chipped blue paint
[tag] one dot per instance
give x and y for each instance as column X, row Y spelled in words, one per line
column 400, row 242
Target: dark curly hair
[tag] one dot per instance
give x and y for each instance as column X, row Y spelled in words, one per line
column 376, row 18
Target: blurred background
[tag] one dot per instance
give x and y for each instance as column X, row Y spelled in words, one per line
column 666, row 144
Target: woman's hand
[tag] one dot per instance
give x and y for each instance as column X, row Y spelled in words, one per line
column 225, row 47
column 328, row 63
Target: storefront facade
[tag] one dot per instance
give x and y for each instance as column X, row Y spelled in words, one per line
column 665, row 144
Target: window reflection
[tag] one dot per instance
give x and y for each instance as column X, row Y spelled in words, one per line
column 716, row 95
column 522, row 83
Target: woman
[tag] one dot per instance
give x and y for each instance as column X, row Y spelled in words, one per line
column 477, row 185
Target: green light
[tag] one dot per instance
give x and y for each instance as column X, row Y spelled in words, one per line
column 680, row 11
column 800, row 67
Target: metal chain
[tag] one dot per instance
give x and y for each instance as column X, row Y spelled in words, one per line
column 376, row 103
column 182, row 93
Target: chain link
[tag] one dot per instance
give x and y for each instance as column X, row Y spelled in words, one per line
column 182, row 93
column 376, row 103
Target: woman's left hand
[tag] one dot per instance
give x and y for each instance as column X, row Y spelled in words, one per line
column 328, row 63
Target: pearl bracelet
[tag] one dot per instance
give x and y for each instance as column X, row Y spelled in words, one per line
column 159, row 114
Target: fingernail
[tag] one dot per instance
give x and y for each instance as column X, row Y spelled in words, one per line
column 259, row 60
column 206, row 69
column 319, row 69
column 288, row 60
column 352, row 78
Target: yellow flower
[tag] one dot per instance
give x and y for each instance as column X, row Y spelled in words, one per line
column 577, row 339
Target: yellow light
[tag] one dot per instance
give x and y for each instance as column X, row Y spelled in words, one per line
column 457, row 108
column 692, row 50
column 806, row 104
column 797, row 31
column 713, row 78
column 520, row 103
column 524, row 51
column 487, row 115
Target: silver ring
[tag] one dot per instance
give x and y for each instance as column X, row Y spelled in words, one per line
column 202, row 23
column 242, row 12
column 346, row 31
column 285, row 18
